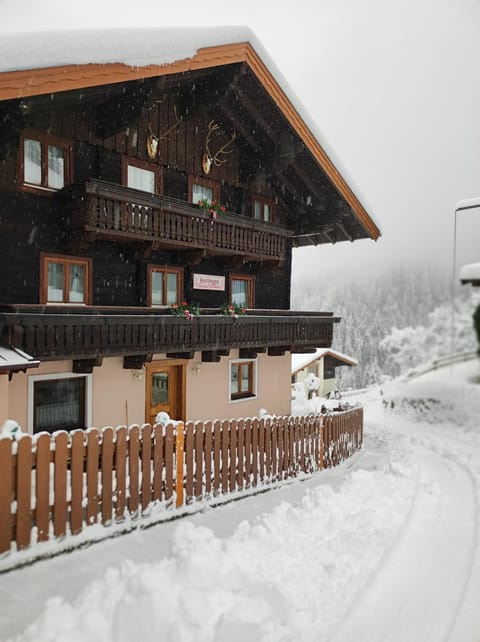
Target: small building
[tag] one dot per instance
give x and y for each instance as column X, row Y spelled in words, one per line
column 322, row 365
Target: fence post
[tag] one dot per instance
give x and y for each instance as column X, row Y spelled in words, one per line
column 180, row 457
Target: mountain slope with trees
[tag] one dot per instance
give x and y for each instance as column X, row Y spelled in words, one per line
column 391, row 321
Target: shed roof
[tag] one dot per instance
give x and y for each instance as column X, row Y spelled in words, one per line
column 47, row 62
column 15, row 360
column 301, row 361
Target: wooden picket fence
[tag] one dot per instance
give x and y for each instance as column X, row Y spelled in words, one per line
column 54, row 485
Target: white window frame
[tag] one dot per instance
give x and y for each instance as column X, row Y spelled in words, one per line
column 255, row 380
column 32, row 379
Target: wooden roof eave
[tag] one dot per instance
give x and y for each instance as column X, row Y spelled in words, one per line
column 34, row 82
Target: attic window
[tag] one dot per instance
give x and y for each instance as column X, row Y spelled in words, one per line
column 202, row 189
column 141, row 175
column 45, row 162
column 262, row 209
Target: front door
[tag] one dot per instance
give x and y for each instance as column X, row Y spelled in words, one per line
column 164, row 391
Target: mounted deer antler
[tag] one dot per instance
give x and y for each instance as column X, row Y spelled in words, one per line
column 208, row 158
column 153, row 139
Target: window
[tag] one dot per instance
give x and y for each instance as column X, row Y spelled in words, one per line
column 65, row 279
column 141, row 175
column 242, row 290
column 59, row 402
column 242, row 379
column 262, row 209
column 202, row 188
column 164, row 285
column 46, row 162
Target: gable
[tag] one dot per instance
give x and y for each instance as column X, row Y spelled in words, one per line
column 257, row 104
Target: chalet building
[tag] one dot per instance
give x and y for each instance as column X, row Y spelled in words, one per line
column 322, row 364
column 108, row 172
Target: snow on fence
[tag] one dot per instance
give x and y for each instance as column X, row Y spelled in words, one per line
column 62, row 483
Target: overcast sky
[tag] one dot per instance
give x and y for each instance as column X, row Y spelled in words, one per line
column 392, row 85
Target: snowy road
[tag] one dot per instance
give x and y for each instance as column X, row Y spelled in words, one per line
column 384, row 548
column 420, row 588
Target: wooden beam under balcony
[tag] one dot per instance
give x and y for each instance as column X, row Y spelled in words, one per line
column 109, row 211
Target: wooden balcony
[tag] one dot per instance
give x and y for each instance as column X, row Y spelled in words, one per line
column 91, row 333
column 106, row 210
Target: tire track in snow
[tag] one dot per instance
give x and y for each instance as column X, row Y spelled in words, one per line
column 428, row 569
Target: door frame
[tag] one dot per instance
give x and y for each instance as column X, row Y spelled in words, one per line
column 155, row 366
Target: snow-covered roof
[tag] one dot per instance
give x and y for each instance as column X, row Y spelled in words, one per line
column 301, row 361
column 470, row 273
column 133, row 47
column 44, row 62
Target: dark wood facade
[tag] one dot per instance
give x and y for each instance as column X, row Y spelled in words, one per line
column 122, row 231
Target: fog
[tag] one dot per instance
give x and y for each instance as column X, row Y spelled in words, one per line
column 392, row 87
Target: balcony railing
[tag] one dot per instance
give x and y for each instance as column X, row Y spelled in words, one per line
column 120, row 213
column 84, row 333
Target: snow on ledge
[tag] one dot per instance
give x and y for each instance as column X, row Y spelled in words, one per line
column 468, row 204
column 470, row 272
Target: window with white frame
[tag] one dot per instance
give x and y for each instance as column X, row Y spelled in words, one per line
column 59, row 402
column 243, row 379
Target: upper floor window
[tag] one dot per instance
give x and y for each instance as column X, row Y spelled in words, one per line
column 262, row 209
column 202, row 188
column 46, row 162
column 164, row 285
column 141, row 175
column 242, row 290
column 65, row 279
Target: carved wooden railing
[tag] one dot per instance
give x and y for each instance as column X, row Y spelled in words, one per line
column 117, row 212
column 85, row 333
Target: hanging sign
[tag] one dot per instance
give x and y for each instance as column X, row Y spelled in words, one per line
column 208, row 282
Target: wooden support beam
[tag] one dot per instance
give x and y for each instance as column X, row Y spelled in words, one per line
column 277, row 351
column 136, row 361
column 86, row 366
column 193, row 258
column 210, row 356
column 247, row 353
column 180, row 355
column 348, row 236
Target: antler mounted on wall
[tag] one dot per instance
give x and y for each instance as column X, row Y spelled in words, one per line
column 209, row 158
column 153, row 140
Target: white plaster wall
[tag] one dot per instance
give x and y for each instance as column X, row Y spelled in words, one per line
column 118, row 395
column 208, row 389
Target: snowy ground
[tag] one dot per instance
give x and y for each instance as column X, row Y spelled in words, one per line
column 384, row 548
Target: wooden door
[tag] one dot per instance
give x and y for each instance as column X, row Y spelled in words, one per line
column 165, row 391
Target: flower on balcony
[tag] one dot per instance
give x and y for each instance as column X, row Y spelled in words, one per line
column 212, row 207
column 232, row 309
column 184, row 309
